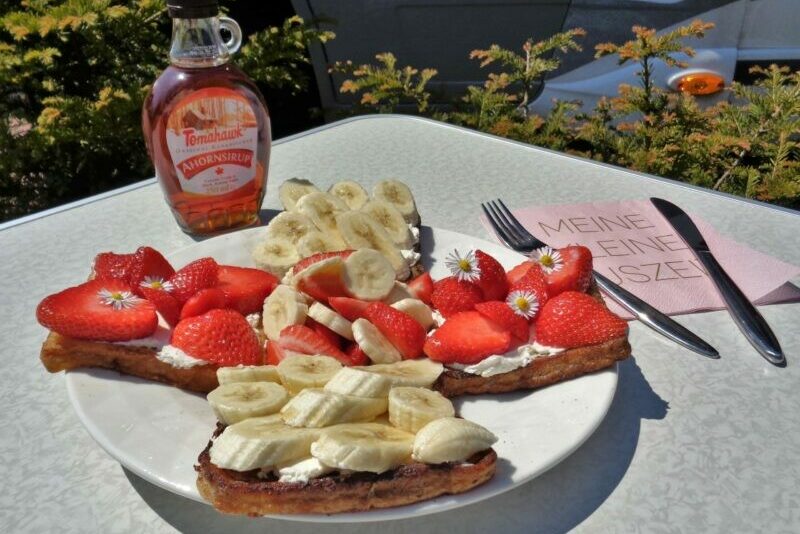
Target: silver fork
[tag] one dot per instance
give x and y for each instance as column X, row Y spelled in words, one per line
column 515, row 236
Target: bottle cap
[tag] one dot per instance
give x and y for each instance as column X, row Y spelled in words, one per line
column 192, row 9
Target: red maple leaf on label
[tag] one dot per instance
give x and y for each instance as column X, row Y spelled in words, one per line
column 219, row 170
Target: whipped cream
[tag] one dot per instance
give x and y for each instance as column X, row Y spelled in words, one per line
column 414, row 233
column 503, row 363
column 303, row 471
column 175, row 357
column 254, row 319
column 411, row 256
column 438, row 318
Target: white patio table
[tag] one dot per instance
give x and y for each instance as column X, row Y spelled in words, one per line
column 689, row 444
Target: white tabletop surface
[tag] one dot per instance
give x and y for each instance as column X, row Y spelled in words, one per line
column 689, row 444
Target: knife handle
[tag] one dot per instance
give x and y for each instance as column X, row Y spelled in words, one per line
column 744, row 314
column 655, row 319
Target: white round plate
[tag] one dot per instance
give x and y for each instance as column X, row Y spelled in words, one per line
column 158, row 431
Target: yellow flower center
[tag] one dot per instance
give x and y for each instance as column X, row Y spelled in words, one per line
column 464, row 266
column 117, row 296
column 156, row 284
column 522, row 304
column 546, row 260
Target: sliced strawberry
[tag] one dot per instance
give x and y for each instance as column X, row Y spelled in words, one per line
column 467, row 337
column 533, row 281
column 422, row 287
column 573, row 319
column 98, row 310
column 245, row 288
column 275, row 353
column 332, row 337
column 357, row 355
column 300, row 338
column 111, row 266
column 402, row 330
column 195, row 276
column 518, row 272
column 502, row 314
column 149, row 269
column 211, row 298
column 451, row 296
column 493, row 282
column 223, row 337
column 167, row 305
column 575, row 273
column 323, row 280
column 305, row 262
column 349, row 308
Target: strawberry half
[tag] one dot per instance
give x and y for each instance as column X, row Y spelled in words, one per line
column 451, row 295
column 149, row 269
column 98, row 310
column 402, row 330
column 575, row 273
column 533, row 281
column 314, row 258
column 166, row 305
column 193, row 277
column 245, row 289
column 112, row 266
column 493, row 282
column 502, row 314
column 349, row 308
column 573, row 319
column 518, row 272
column 323, row 279
column 300, row 338
column 467, row 337
column 332, row 337
column 422, row 287
column 223, row 337
column 275, row 353
column 211, row 298
column 357, row 355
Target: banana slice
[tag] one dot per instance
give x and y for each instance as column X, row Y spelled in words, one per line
column 315, row 242
column 368, row 275
column 399, row 292
column 417, row 309
column 392, row 221
column 275, row 255
column 316, row 408
column 290, row 225
column 349, row 192
column 241, row 400
column 350, row 381
column 370, row 447
column 373, row 343
column 283, row 307
column 418, row 373
column 247, row 373
column 261, row 442
column 322, row 209
column 300, row 372
column 399, row 195
column 450, row 439
column 412, row 408
column 293, row 190
column 326, row 316
column 360, row 230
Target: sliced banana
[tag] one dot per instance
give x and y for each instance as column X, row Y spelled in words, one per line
column 247, row 373
column 350, row 381
column 316, row 408
column 291, row 226
column 370, row 447
column 284, row 307
column 322, row 209
column 300, row 372
column 418, row 373
column 326, row 316
column 275, row 255
column 412, row 408
column 241, row 400
column 293, row 190
column 368, row 275
column 315, row 242
column 349, row 192
column 399, row 292
column 392, row 221
column 261, row 442
column 373, row 343
column 450, row 439
column 360, row 230
column 417, row 309
column 399, row 195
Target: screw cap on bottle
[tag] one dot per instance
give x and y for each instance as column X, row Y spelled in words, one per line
column 192, row 9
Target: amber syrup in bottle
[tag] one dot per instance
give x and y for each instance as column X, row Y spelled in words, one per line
column 206, row 125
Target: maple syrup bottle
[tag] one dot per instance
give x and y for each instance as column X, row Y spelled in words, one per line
column 206, row 125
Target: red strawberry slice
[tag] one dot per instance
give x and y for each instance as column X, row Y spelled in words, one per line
column 300, row 338
column 195, row 276
column 467, row 337
column 493, row 282
column 211, row 298
column 98, row 310
column 111, row 266
column 323, row 280
column 305, row 262
column 451, row 295
column 167, row 305
column 275, row 353
column 349, row 308
column 332, row 337
column 574, row 319
column 245, row 288
column 574, row 275
column 422, row 287
column 502, row 314
column 357, row 355
column 149, row 269
column 223, row 337
column 518, row 272
column 402, row 330
column 533, row 281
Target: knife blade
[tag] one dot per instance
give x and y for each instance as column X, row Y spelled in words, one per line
column 745, row 315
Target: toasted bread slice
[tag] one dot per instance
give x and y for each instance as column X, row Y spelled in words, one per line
column 246, row 493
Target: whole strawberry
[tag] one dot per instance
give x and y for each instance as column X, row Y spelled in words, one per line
column 195, row 276
column 492, row 281
column 223, row 337
column 451, row 295
column 402, row 330
column 573, row 319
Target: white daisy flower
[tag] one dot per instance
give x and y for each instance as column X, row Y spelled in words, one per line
column 154, row 282
column 524, row 303
column 549, row 258
column 119, row 300
column 464, row 267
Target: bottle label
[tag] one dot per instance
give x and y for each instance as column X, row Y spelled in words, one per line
column 212, row 136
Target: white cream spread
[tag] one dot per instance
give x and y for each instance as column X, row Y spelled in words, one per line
column 503, row 363
column 303, row 471
column 254, row 320
column 414, row 233
column 412, row 257
column 438, row 318
column 175, row 357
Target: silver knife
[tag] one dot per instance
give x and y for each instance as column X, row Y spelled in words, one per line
column 746, row 316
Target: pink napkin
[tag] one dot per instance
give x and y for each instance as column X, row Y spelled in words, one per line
column 634, row 246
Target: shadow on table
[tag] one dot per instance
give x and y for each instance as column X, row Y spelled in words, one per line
column 556, row 501
column 264, row 215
